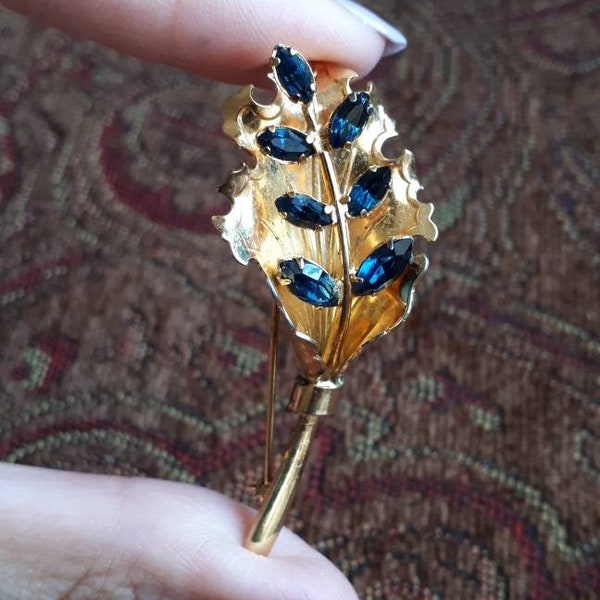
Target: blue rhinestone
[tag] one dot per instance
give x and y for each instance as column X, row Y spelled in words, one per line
column 285, row 144
column 309, row 282
column 382, row 266
column 304, row 211
column 294, row 74
column 369, row 190
column 349, row 118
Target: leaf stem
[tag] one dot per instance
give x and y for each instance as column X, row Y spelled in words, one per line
column 344, row 237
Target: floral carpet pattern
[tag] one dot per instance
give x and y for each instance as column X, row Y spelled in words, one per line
column 464, row 462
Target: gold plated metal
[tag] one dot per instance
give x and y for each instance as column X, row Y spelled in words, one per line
column 314, row 398
column 272, row 513
column 270, row 424
column 327, row 337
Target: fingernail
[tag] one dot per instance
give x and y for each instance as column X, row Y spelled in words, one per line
column 394, row 39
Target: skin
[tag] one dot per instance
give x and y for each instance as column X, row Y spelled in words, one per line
column 225, row 40
column 90, row 537
column 78, row 537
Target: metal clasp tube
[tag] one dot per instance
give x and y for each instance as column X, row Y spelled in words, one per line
column 311, row 400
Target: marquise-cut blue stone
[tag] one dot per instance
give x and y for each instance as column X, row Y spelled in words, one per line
column 285, row 144
column 303, row 210
column 294, row 74
column 382, row 266
column 369, row 190
column 310, row 282
column 349, row 118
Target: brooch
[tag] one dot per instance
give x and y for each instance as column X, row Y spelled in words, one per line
column 331, row 221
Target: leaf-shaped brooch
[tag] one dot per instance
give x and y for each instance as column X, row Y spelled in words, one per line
column 331, row 222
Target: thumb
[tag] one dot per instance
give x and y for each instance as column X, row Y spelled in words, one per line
column 226, row 40
column 66, row 534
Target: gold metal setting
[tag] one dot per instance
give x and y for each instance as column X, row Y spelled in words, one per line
column 326, row 338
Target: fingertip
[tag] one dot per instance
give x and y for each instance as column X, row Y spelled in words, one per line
column 226, row 40
column 155, row 535
column 237, row 46
column 202, row 546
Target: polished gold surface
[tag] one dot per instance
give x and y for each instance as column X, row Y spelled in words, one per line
column 314, row 398
column 275, row 506
column 326, row 339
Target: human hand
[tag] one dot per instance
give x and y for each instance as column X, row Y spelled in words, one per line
column 225, row 40
column 91, row 537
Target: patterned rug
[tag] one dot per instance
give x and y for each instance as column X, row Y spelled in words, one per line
column 464, row 462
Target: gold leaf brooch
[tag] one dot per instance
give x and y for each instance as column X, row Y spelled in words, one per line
column 331, row 222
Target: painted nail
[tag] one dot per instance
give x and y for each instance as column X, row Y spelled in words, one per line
column 394, row 39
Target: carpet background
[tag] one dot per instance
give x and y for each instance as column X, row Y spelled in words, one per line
column 465, row 459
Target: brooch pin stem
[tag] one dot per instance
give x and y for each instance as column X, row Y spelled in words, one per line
column 311, row 401
column 276, row 504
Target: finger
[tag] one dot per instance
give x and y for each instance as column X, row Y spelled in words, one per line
column 64, row 532
column 226, row 40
